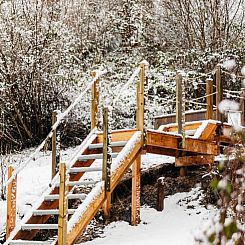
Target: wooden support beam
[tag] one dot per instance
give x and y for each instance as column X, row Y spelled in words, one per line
column 107, row 161
column 160, row 194
column 94, row 117
column 63, row 206
column 135, row 214
column 194, row 160
column 117, row 135
column 208, row 132
column 140, row 99
column 168, row 141
column 188, row 126
column 179, row 102
column 219, row 94
column 242, row 106
column 55, row 146
column 209, row 99
column 11, row 203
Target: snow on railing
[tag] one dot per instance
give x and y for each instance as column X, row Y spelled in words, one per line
column 60, row 118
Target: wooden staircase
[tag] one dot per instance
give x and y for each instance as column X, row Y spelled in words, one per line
column 126, row 146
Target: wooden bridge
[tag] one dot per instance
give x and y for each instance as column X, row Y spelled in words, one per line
column 192, row 143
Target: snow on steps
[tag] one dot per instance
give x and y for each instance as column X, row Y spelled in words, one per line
column 27, row 242
column 94, row 157
column 113, row 144
column 69, row 196
column 84, row 145
column 87, row 209
column 41, row 212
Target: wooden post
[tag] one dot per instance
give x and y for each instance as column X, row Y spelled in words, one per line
column 140, row 99
column 107, row 160
column 180, row 106
column 11, row 203
column 135, row 214
column 160, row 194
column 219, row 94
column 55, row 146
column 63, row 206
column 242, row 106
column 94, row 117
column 209, row 99
column 179, row 102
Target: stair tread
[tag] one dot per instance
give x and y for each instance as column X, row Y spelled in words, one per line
column 69, row 196
column 51, row 212
column 113, row 144
column 84, row 169
column 39, row 227
column 95, row 156
column 13, row 242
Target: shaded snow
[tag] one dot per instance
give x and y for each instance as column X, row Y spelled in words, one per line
column 176, row 224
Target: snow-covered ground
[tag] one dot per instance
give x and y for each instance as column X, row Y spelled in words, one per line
column 176, row 224
column 180, row 223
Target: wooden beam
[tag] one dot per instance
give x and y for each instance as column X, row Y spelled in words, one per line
column 140, row 99
column 55, row 146
column 188, row 126
column 168, row 141
column 209, row 99
column 208, row 132
column 242, row 106
column 117, row 135
column 160, row 194
column 94, row 117
column 11, row 203
column 194, row 160
column 135, row 214
column 107, row 205
column 219, row 94
column 179, row 103
column 63, row 206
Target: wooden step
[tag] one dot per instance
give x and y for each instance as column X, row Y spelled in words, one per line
column 89, row 182
column 41, row 212
column 27, row 242
column 94, row 157
column 39, row 227
column 113, row 144
column 84, row 169
column 69, row 196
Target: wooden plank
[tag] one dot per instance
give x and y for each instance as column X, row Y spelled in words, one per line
column 97, row 202
column 107, row 205
column 209, row 99
column 209, row 132
column 94, row 117
column 188, row 126
column 11, row 203
column 63, row 206
column 54, row 162
column 140, row 100
column 179, row 102
column 117, row 135
column 194, row 160
column 168, row 141
column 219, row 95
column 135, row 214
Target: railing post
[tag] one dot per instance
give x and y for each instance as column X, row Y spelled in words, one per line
column 219, row 94
column 63, row 206
column 107, row 160
column 55, row 145
column 106, row 154
column 160, row 194
column 140, row 99
column 11, row 203
column 94, row 117
column 135, row 214
column 242, row 106
column 180, row 107
column 209, row 98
